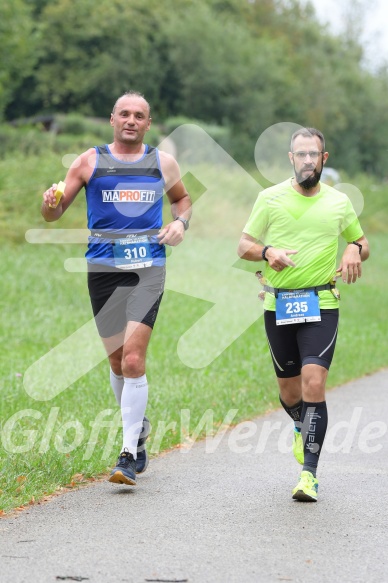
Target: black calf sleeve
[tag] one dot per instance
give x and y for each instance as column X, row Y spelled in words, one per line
column 294, row 412
column 314, row 424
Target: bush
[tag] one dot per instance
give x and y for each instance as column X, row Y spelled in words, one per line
column 190, row 142
column 62, row 134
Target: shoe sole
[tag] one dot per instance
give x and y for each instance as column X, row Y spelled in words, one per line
column 119, row 478
column 303, row 497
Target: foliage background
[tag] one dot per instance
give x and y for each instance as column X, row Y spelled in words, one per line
column 243, row 65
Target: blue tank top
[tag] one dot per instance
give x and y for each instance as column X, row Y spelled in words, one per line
column 124, row 197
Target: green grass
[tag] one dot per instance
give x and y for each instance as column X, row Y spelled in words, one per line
column 42, row 304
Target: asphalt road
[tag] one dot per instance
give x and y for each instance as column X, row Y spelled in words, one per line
column 224, row 514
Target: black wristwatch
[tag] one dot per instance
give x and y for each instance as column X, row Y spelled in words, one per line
column 358, row 245
column 184, row 221
column 264, row 251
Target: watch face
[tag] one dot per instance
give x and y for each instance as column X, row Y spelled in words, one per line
column 184, row 221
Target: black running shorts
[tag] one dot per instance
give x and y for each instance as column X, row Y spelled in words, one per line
column 119, row 297
column 295, row 345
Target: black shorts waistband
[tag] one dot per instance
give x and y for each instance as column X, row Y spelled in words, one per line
column 316, row 289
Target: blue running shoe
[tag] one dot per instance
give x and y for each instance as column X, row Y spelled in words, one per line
column 141, row 461
column 125, row 470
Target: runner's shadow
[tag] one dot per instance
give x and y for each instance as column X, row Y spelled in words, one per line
column 124, row 491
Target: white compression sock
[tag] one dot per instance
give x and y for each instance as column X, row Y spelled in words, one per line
column 133, row 406
column 117, row 384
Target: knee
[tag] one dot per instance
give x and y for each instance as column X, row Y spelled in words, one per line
column 133, row 365
column 313, row 383
column 313, row 390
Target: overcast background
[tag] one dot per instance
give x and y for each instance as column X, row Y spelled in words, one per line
column 374, row 13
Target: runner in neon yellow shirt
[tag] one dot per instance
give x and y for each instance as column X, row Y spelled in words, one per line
column 294, row 228
column 287, row 219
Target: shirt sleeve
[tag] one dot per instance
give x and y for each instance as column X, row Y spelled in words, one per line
column 258, row 221
column 350, row 227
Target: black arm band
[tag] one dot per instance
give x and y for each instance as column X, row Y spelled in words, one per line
column 264, row 251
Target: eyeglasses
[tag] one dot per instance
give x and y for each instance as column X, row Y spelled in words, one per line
column 303, row 155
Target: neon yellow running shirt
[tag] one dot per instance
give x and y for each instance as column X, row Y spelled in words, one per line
column 285, row 219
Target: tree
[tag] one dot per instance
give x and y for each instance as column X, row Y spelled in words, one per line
column 18, row 40
column 104, row 49
column 243, row 65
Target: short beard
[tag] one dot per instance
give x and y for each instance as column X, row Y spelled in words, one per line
column 309, row 182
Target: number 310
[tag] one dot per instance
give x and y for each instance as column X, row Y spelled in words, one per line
column 135, row 252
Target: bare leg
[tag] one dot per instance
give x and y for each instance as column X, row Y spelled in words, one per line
column 290, row 390
column 129, row 360
column 313, row 383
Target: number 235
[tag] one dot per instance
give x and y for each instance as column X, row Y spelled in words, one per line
column 296, row 307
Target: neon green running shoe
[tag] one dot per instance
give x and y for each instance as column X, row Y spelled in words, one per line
column 297, row 447
column 307, row 488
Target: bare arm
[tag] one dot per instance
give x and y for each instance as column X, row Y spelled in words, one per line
column 278, row 259
column 350, row 266
column 76, row 178
column 173, row 233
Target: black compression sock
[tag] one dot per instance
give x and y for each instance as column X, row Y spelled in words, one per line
column 295, row 412
column 314, row 424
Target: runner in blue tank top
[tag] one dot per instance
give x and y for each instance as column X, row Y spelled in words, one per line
column 124, row 183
